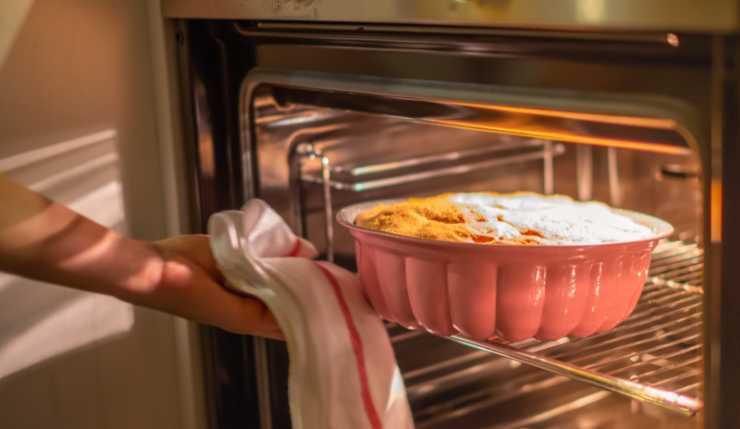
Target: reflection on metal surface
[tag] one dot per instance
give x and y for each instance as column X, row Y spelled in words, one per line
column 556, row 125
column 673, row 39
column 615, row 188
column 453, row 163
column 548, row 174
column 309, row 151
column 565, row 136
column 711, row 15
column 584, row 172
column 204, row 139
column 715, row 222
column 678, row 171
column 604, row 122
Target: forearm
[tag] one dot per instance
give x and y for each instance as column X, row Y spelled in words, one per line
column 44, row 240
column 47, row 241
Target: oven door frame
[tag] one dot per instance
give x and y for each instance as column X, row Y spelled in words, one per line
column 210, row 88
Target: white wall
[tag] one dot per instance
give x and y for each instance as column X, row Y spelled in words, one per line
column 77, row 122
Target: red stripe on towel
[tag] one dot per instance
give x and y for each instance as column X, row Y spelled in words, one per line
column 367, row 400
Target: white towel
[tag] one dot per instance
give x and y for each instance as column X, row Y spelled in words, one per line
column 343, row 373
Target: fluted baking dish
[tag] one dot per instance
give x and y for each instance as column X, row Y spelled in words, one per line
column 513, row 292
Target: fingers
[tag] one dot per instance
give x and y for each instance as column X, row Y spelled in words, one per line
column 254, row 318
column 237, row 313
column 197, row 249
column 192, row 287
column 231, row 312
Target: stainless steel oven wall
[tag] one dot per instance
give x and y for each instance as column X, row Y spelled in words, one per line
column 697, row 70
column 373, row 156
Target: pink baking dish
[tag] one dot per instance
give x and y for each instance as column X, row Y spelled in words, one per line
column 482, row 291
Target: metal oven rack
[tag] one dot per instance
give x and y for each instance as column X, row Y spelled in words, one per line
column 386, row 174
column 655, row 356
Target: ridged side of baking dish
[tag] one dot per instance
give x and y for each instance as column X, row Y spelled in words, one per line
column 511, row 292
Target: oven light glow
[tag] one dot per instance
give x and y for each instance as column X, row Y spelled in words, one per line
column 715, row 197
column 550, row 124
column 672, row 39
column 569, row 137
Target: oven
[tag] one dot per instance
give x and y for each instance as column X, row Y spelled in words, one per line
column 314, row 105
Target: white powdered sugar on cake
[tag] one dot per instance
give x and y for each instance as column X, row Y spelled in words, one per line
column 548, row 220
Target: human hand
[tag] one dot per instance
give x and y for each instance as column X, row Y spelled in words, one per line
column 46, row 241
column 189, row 284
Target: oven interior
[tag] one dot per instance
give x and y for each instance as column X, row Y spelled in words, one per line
column 311, row 160
column 328, row 117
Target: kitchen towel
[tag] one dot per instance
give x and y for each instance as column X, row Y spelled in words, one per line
column 343, row 373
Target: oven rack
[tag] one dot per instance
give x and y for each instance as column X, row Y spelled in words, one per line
column 371, row 176
column 655, row 356
column 364, row 177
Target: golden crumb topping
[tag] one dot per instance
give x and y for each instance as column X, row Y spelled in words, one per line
column 433, row 218
column 517, row 218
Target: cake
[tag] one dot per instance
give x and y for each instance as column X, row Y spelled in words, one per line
column 516, row 218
